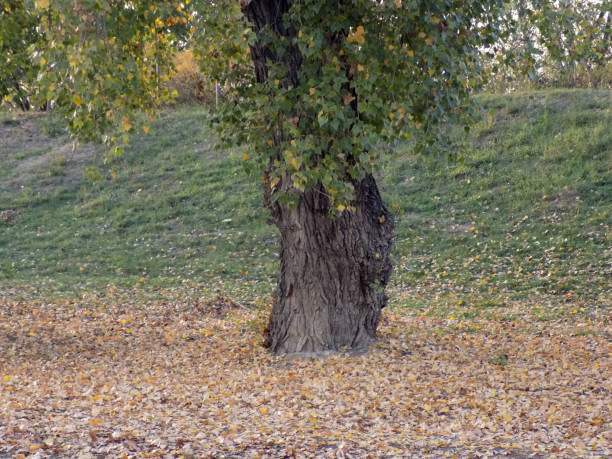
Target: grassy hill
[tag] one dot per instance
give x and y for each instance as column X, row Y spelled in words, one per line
column 525, row 215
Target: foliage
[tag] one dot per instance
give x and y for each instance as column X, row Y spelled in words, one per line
column 103, row 60
column 18, row 21
column 338, row 83
column 560, row 43
column 369, row 72
column 190, row 83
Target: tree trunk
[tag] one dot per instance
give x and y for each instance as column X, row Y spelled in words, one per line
column 333, row 270
column 333, row 273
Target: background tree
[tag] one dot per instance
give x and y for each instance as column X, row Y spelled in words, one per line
column 576, row 38
column 318, row 92
column 557, row 43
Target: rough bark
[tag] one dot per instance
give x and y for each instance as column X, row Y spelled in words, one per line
column 333, row 270
column 333, row 273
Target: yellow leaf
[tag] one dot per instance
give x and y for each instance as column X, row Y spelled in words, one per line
column 245, row 157
column 411, row 53
column 276, row 82
column 391, row 116
column 391, row 47
column 145, row 128
column 360, row 67
column 293, row 143
column 125, row 124
column 270, row 143
column 77, row 100
column 341, row 207
column 42, row 4
column 357, row 35
column 312, row 91
column 274, row 181
column 263, row 410
column 382, row 219
column 294, row 163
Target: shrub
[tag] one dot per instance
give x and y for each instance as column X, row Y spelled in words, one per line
column 189, row 82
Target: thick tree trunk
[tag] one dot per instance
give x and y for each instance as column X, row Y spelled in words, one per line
column 333, row 273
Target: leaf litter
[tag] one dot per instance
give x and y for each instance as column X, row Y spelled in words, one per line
column 121, row 377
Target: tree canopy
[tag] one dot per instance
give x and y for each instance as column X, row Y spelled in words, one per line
column 369, row 73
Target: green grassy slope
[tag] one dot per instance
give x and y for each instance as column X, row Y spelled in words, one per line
column 527, row 214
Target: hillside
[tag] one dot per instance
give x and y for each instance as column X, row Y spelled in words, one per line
column 526, row 211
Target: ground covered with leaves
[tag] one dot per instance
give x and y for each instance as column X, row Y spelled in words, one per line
column 111, row 375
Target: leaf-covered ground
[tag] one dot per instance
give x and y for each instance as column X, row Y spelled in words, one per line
column 111, row 376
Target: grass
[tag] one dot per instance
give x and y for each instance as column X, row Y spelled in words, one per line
column 524, row 217
column 526, row 212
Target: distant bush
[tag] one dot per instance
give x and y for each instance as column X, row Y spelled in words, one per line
column 579, row 76
column 189, row 82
